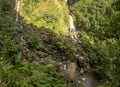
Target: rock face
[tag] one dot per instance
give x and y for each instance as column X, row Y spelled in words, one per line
column 71, row 69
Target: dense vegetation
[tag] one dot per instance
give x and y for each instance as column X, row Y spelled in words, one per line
column 51, row 14
column 14, row 70
column 99, row 26
column 97, row 20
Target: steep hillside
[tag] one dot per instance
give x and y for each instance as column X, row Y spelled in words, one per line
column 22, row 51
column 51, row 14
column 31, row 56
column 35, row 51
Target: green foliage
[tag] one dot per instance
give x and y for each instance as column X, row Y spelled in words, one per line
column 110, row 84
column 88, row 14
column 111, row 25
column 6, row 6
column 102, row 42
column 9, row 45
column 18, row 72
column 105, row 56
column 33, row 40
column 28, row 74
column 66, row 46
column 49, row 14
column 9, row 48
column 63, row 44
column 100, row 37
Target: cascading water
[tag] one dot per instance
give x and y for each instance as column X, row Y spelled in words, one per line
column 17, row 9
column 72, row 27
column 85, row 79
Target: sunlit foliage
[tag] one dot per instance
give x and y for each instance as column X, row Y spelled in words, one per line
column 51, row 14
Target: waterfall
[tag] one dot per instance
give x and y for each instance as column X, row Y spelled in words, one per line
column 17, row 9
column 72, row 27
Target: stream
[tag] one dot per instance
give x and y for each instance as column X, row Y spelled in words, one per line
column 91, row 81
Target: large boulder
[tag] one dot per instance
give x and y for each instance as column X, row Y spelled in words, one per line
column 68, row 70
column 71, row 69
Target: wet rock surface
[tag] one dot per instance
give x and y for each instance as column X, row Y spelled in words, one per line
column 91, row 81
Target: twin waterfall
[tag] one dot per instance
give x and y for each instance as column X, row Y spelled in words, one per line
column 17, row 9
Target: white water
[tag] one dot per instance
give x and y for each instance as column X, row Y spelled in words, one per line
column 72, row 27
column 17, row 9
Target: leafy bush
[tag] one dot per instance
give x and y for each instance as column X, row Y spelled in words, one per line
column 88, row 14
column 66, row 46
column 63, row 44
column 9, row 48
column 105, row 57
column 33, row 40
column 29, row 75
column 9, row 45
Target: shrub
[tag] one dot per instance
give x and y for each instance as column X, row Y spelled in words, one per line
column 33, row 40
column 64, row 44
column 9, row 48
column 29, row 75
column 105, row 56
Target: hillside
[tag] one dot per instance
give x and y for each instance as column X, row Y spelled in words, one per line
column 39, row 49
column 51, row 14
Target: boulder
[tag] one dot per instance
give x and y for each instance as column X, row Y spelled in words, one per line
column 71, row 70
